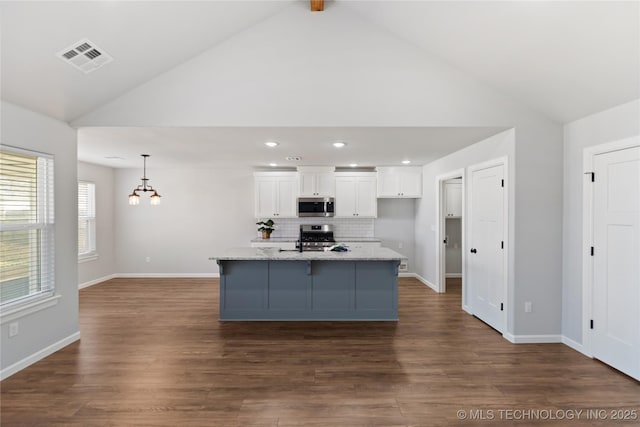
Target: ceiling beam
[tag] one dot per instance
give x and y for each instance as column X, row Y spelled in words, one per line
column 317, row 5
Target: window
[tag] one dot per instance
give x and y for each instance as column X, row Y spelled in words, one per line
column 86, row 220
column 26, row 225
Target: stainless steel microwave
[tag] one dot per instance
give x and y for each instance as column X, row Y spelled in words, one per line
column 316, row 206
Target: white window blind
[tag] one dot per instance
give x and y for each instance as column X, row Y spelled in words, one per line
column 26, row 225
column 86, row 219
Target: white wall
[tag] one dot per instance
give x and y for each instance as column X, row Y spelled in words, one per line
column 395, row 226
column 57, row 325
column 607, row 126
column 534, row 264
column 501, row 145
column 102, row 268
column 203, row 212
column 306, row 69
column 336, row 69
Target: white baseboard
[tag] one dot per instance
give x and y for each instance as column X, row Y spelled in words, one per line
column 574, row 345
column 425, row 281
column 147, row 275
column 406, row 274
column 453, row 275
column 165, row 275
column 96, row 281
column 39, row 355
column 532, row 339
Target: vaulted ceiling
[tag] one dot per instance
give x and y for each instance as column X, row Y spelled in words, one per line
column 564, row 60
column 145, row 38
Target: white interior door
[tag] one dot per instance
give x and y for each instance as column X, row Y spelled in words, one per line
column 485, row 260
column 616, row 260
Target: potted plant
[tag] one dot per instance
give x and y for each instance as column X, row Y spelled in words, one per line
column 266, row 227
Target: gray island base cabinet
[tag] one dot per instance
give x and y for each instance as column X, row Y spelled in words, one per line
column 305, row 289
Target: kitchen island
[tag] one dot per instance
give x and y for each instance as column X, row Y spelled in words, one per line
column 268, row 284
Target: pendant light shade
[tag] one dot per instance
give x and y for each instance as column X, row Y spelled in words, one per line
column 134, row 197
column 155, row 198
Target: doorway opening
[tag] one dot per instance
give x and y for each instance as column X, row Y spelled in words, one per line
column 450, row 253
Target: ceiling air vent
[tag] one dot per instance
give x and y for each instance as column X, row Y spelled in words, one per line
column 85, row 56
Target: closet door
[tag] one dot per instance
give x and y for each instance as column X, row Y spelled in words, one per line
column 616, row 260
column 485, row 261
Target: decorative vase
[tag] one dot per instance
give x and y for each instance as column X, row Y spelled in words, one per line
column 266, row 235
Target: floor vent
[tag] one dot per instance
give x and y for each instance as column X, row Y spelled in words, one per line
column 85, row 56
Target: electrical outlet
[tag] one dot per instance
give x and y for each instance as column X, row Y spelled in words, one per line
column 527, row 307
column 400, row 245
column 148, row 259
column 13, row 329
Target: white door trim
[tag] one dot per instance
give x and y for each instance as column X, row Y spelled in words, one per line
column 587, row 232
column 440, row 227
column 505, row 200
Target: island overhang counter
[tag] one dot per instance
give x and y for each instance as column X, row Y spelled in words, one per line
column 268, row 284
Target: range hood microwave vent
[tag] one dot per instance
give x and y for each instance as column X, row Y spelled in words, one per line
column 85, row 56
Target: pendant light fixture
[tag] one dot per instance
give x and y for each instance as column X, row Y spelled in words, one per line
column 134, row 198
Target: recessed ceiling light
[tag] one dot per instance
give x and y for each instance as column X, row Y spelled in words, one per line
column 273, row 165
column 271, row 144
column 353, row 165
column 339, row 144
column 406, row 162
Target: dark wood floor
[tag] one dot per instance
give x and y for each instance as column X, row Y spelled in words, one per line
column 153, row 353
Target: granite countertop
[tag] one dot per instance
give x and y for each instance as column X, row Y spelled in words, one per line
column 295, row 239
column 271, row 254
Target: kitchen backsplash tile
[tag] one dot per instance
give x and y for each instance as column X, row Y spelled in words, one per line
column 342, row 227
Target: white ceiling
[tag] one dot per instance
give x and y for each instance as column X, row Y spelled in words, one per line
column 145, row 38
column 228, row 147
column 563, row 59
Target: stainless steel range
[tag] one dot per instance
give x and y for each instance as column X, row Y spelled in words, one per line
column 316, row 237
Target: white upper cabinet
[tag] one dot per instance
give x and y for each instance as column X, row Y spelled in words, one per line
column 316, row 181
column 399, row 182
column 356, row 195
column 453, row 199
column 275, row 194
